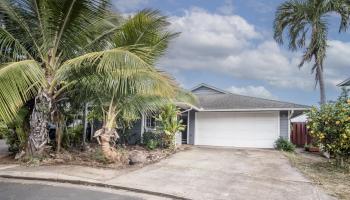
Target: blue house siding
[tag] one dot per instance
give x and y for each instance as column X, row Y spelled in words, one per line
column 284, row 125
column 135, row 133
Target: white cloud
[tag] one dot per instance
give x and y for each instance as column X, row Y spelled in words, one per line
column 228, row 44
column 255, row 91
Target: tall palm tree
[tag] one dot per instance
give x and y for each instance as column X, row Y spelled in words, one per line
column 46, row 43
column 306, row 26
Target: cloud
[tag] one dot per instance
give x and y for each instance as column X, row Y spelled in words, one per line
column 229, row 45
column 255, row 91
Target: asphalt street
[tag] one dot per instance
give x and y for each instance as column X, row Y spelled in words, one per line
column 30, row 191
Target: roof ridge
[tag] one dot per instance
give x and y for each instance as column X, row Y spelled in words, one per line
column 210, row 87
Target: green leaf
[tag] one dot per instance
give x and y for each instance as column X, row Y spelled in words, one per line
column 19, row 82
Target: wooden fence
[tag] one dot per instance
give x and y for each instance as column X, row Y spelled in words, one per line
column 299, row 135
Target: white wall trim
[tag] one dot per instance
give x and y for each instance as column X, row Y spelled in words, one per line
column 188, row 127
column 289, row 124
column 279, row 124
column 250, row 109
column 142, row 126
column 195, row 129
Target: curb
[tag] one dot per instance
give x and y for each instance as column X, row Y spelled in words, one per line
column 88, row 183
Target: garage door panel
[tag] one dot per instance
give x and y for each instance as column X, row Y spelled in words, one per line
column 239, row 129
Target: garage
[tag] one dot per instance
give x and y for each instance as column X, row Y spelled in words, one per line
column 237, row 129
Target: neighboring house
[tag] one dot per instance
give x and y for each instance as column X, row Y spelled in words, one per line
column 344, row 83
column 221, row 118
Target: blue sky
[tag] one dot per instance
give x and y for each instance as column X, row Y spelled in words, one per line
column 229, row 44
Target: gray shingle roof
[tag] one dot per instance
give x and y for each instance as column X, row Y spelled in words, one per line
column 235, row 101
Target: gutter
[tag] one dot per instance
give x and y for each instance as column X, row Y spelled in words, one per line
column 252, row 109
column 191, row 107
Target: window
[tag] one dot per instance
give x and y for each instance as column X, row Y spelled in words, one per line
column 151, row 122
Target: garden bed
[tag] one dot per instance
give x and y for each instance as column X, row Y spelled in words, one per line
column 93, row 157
column 335, row 181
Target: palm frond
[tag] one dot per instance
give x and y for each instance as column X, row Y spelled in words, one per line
column 12, row 47
column 105, row 62
column 19, row 21
column 19, row 82
column 147, row 28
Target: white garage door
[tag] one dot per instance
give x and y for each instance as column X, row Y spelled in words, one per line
column 237, row 129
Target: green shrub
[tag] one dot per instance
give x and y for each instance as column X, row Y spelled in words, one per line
column 330, row 128
column 284, row 145
column 15, row 133
column 73, row 137
column 152, row 144
column 152, row 140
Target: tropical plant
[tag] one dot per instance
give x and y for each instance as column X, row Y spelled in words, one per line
column 72, row 137
column 15, row 133
column 284, row 145
column 56, row 46
column 152, row 140
column 37, row 38
column 170, row 124
column 330, row 129
column 306, row 26
column 126, row 85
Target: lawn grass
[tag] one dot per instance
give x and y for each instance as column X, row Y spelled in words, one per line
column 335, row 181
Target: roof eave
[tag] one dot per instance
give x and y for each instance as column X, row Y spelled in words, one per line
column 251, row 109
column 344, row 83
column 188, row 105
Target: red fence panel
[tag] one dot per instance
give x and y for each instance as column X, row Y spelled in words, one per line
column 300, row 136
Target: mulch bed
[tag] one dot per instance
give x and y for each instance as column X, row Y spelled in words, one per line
column 93, row 157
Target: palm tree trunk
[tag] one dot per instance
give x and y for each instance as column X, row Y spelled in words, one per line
column 39, row 121
column 107, row 134
column 322, row 85
column 85, row 122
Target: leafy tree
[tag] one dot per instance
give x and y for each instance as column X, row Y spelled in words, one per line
column 306, row 26
column 330, row 128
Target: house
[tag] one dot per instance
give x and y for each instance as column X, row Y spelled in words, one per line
column 221, row 118
column 344, row 83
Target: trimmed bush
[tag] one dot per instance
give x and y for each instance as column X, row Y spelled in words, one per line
column 284, row 145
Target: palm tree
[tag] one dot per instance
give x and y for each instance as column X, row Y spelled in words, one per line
column 305, row 22
column 124, row 89
column 50, row 46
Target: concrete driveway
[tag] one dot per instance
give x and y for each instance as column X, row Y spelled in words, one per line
column 221, row 173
